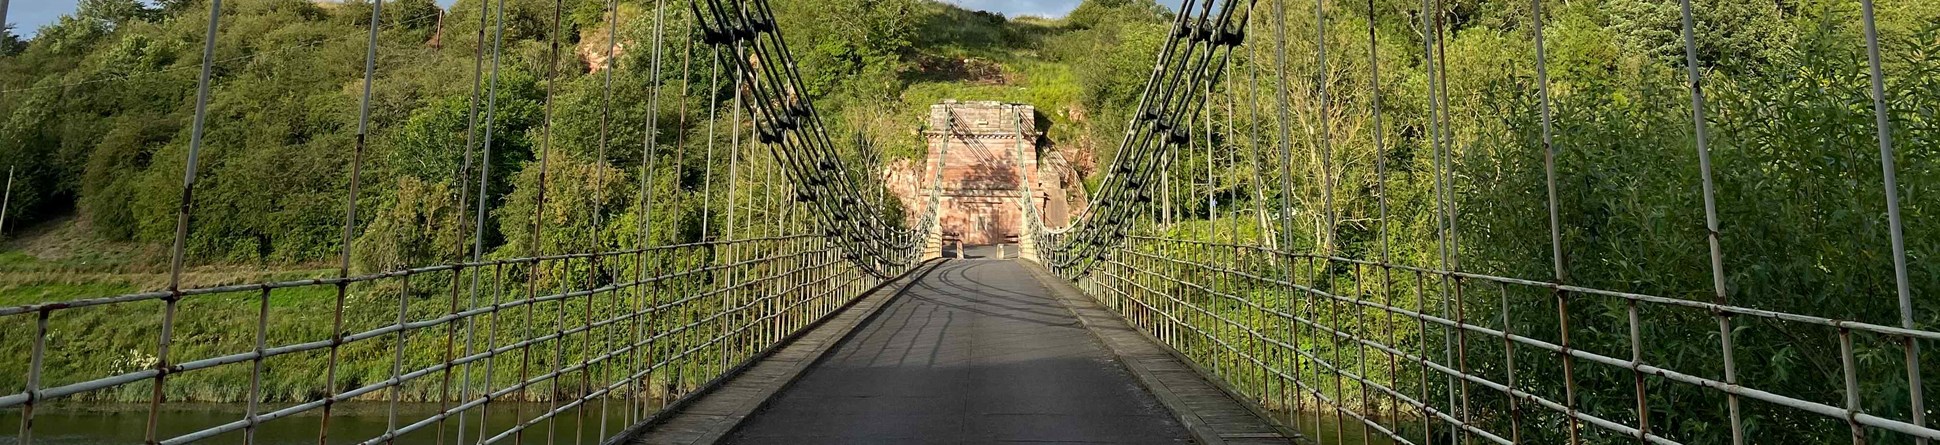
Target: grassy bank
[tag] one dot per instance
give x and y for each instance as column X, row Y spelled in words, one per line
column 87, row 343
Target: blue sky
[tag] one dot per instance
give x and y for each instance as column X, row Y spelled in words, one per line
column 1043, row 8
column 30, row 15
column 1012, row 8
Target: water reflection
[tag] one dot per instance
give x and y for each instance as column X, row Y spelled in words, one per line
column 1331, row 430
column 350, row 423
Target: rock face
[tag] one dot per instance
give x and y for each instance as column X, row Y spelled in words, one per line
column 987, row 153
column 1064, row 189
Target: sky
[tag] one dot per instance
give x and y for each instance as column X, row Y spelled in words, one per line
column 1013, row 8
column 28, row 16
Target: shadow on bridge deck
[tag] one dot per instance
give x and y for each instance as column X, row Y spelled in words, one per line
column 969, row 352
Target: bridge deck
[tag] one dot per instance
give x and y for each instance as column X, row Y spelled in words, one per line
column 971, row 352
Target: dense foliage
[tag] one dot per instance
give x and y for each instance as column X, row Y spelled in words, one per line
column 1794, row 159
column 97, row 109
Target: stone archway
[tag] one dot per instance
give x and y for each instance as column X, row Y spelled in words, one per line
column 987, row 151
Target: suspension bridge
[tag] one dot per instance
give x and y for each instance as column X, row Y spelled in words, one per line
column 840, row 324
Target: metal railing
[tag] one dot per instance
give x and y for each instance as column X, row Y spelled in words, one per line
column 573, row 347
column 1421, row 355
column 1413, row 346
column 637, row 330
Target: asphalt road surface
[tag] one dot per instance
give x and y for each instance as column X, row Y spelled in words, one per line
column 975, row 352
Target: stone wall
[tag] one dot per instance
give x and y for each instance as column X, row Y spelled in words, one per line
column 986, row 150
column 986, row 154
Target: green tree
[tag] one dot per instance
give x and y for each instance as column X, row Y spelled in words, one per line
column 415, row 225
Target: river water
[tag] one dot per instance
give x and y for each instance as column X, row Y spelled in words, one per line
column 1331, row 431
column 124, row 424
column 350, row 423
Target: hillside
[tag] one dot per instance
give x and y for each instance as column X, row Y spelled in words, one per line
column 99, row 106
column 1366, row 134
column 1054, row 65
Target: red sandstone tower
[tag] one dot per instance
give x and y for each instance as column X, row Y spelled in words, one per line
column 988, row 153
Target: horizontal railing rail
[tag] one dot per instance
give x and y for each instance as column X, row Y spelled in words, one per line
column 1283, row 326
column 693, row 313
